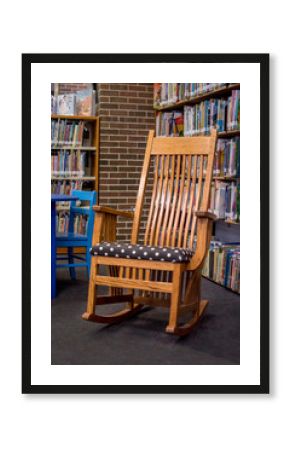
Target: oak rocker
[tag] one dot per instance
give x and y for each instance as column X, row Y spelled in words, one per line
column 165, row 269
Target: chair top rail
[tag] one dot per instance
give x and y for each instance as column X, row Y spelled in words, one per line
column 199, row 145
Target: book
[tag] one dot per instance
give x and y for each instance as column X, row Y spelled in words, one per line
column 80, row 223
column 157, row 94
column 85, row 102
column 222, row 264
column 227, row 158
column 68, row 163
column 170, row 93
column 225, row 200
column 53, row 104
column 70, row 133
column 65, row 187
column 202, row 118
column 170, row 124
column 66, row 104
column 233, row 111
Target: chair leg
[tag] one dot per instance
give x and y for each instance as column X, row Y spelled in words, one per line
column 88, row 261
column 72, row 270
column 192, row 302
column 92, row 293
column 92, row 303
column 175, row 300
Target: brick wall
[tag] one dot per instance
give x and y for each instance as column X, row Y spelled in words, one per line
column 126, row 115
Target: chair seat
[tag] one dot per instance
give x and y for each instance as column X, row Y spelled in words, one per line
column 139, row 251
column 70, row 236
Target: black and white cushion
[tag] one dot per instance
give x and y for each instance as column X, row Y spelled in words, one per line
column 139, row 251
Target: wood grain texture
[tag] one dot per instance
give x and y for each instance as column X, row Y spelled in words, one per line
column 136, row 263
column 178, row 215
column 115, row 212
column 142, row 186
column 156, row 286
column 199, row 145
column 205, row 215
column 174, row 200
column 153, row 200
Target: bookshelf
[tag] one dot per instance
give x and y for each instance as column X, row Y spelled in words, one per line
column 75, row 137
column 192, row 100
column 187, row 109
column 228, row 134
column 74, row 117
column 90, row 152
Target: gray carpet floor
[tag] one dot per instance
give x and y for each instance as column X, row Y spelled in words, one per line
column 142, row 339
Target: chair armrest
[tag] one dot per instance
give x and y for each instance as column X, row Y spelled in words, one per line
column 205, row 215
column 115, row 212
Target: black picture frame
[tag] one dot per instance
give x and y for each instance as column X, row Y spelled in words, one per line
column 263, row 61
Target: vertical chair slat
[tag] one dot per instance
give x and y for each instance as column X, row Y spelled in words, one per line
column 134, row 273
column 191, row 201
column 168, row 200
column 154, row 193
column 162, row 202
column 184, row 202
column 174, row 201
column 178, row 209
column 157, row 202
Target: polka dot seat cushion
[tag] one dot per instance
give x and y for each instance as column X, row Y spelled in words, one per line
column 139, row 251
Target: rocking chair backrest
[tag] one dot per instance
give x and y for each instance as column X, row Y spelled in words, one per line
column 182, row 179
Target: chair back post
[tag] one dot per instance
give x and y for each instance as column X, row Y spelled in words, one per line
column 142, row 187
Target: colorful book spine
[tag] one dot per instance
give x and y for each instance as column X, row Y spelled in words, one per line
column 170, row 93
column 202, row 118
column 227, row 158
column 170, row 124
column 222, row 264
column 233, row 111
column 65, row 132
column 80, row 224
column 157, row 94
column 68, row 163
column 64, row 187
column 225, row 200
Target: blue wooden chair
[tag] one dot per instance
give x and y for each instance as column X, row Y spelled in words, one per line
column 70, row 240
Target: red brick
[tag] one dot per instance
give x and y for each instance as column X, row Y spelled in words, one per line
column 126, row 124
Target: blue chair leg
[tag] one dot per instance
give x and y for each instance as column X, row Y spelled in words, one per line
column 88, row 261
column 53, row 251
column 72, row 270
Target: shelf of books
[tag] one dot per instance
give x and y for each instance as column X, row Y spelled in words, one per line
column 222, row 264
column 194, row 109
column 74, row 153
column 74, row 150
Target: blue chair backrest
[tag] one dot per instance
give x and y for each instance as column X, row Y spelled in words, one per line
column 90, row 197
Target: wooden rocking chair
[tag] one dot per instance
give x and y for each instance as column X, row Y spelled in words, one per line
column 166, row 269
